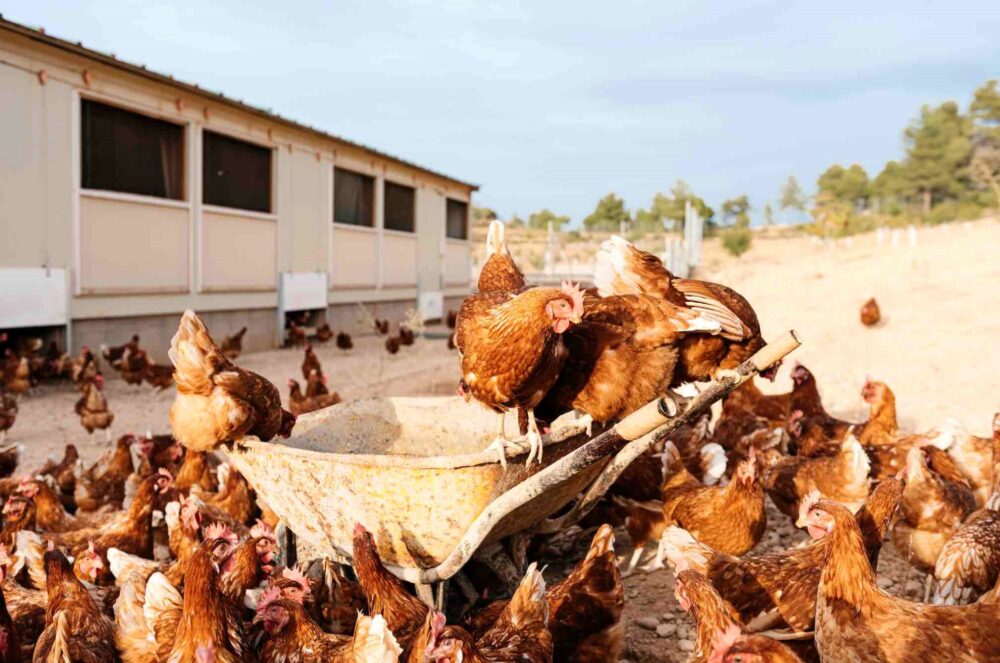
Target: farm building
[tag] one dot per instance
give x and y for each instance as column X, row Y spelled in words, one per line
column 127, row 196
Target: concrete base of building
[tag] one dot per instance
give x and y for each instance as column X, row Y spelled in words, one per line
column 155, row 331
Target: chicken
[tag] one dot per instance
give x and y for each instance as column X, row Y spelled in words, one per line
column 310, row 363
column 974, row 456
column 780, row 586
column 234, row 499
column 338, row 600
column 386, row 596
column 295, row 335
column 382, row 327
column 16, row 374
column 159, row 451
column 622, row 268
column 293, row 636
column 133, row 366
column 300, row 404
column 129, row 530
column 747, row 399
column 216, row 400
column 451, row 318
column 512, row 351
column 76, row 631
column 509, row 340
column 316, row 384
column 232, row 346
column 64, row 474
column 732, row 646
column 92, row 408
column 208, row 617
column 969, row 562
column 114, row 355
column 932, row 509
column 196, row 471
column 8, row 414
column 520, row 633
column 324, row 333
column 870, row 314
column 406, row 336
column 858, row 621
column 392, row 345
column 584, row 608
column 842, row 478
column 622, row 355
column 104, row 482
column 711, row 614
column 248, row 565
column 159, row 376
column 731, row 519
column 25, row 606
column 10, row 457
column 85, row 368
column 344, row 341
column 51, row 515
column 10, row 642
column 18, row 514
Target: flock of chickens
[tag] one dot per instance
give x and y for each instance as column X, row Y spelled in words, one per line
column 160, row 552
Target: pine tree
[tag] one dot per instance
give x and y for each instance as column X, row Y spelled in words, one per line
column 792, row 196
column 938, row 152
column 609, row 214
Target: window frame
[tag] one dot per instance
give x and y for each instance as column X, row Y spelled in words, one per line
column 250, row 140
column 413, row 190
column 333, row 198
column 183, row 124
column 465, row 238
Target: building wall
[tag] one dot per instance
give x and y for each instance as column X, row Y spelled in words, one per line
column 140, row 257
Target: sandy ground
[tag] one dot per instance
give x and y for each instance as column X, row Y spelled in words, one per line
column 940, row 302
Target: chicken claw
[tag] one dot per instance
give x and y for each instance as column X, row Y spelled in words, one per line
column 500, row 445
column 534, row 439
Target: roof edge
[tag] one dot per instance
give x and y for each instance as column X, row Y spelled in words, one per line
column 39, row 35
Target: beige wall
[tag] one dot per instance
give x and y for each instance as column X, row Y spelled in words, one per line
column 168, row 256
column 238, row 252
column 35, row 174
column 132, row 248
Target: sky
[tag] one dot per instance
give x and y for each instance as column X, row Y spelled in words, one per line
column 555, row 104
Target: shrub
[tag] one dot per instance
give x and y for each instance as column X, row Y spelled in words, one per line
column 737, row 240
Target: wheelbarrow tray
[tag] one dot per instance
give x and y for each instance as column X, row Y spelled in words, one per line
column 414, row 471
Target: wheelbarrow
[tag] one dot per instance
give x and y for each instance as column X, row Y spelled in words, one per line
column 415, row 472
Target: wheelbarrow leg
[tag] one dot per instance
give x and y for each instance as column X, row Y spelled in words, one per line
column 287, row 554
column 496, row 559
column 425, row 593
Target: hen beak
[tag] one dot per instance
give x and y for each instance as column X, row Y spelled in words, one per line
column 576, row 319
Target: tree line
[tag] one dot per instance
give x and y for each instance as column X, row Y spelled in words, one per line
column 950, row 170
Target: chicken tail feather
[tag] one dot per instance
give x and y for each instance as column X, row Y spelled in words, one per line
column 373, row 641
column 192, row 352
column 678, row 544
column 528, row 604
column 59, row 653
column 495, row 242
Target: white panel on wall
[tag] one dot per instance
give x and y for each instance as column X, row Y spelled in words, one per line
column 32, row 297
column 431, row 305
column 301, row 291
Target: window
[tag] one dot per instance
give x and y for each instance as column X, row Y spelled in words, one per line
column 131, row 153
column 235, row 173
column 353, row 198
column 399, row 207
column 457, row 220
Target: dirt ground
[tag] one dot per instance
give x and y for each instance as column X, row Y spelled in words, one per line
column 940, row 303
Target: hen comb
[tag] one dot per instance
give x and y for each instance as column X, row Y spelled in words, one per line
column 262, row 530
column 575, row 293
column 220, row 531
column 298, row 577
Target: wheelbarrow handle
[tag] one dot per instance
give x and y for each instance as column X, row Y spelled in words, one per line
column 625, row 440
